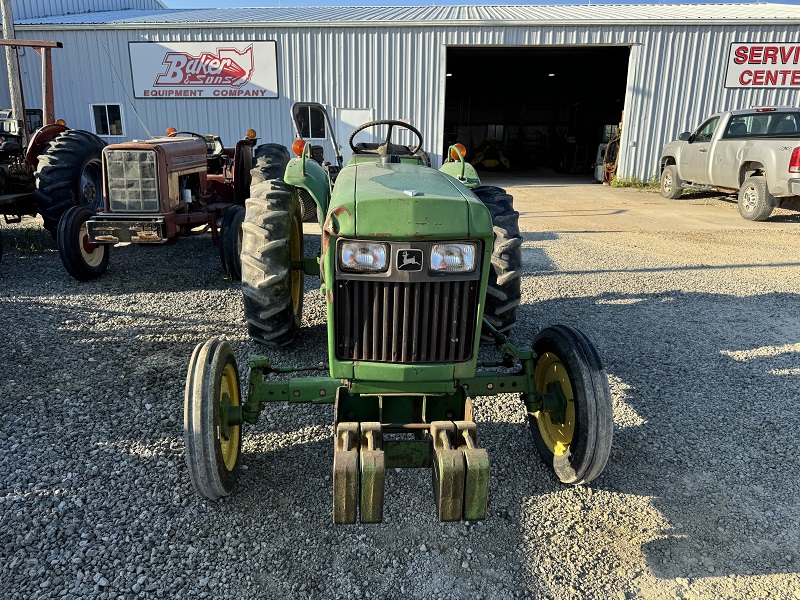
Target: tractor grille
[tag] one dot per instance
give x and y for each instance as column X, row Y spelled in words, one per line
column 386, row 321
column 132, row 180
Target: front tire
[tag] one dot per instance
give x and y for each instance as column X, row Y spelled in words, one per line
column 213, row 447
column 503, row 293
column 671, row 183
column 69, row 173
column 755, row 201
column 272, row 238
column 230, row 243
column 578, row 449
column 82, row 259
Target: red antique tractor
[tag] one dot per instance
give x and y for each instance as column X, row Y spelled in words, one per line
column 157, row 190
column 57, row 168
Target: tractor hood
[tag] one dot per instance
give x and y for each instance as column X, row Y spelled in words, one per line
column 406, row 201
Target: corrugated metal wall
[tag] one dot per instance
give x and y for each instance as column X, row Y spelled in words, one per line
column 675, row 78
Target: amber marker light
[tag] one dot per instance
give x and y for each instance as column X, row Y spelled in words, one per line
column 250, row 134
column 454, row 154
column 171, row 131
column 297, row 146
column 61, row 122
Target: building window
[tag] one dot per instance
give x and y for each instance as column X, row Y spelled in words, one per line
column 107, row 119
column 311, row 122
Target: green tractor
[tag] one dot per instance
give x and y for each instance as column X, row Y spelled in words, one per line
column 417, row 266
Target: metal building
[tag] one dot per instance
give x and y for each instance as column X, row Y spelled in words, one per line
column 548, row 82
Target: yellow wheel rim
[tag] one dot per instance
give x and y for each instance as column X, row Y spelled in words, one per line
column 230, row 447
column 297, row 275
column 557, row 437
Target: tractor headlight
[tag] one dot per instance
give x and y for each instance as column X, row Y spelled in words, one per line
column 453, row 258
column 363, row 256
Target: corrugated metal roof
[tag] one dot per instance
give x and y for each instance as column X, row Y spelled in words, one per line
column 40, row 9
column 438, row 15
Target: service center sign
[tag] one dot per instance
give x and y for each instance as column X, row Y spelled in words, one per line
column 764, row 65
column 204, row 69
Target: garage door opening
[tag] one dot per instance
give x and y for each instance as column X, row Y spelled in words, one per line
column 534, row 110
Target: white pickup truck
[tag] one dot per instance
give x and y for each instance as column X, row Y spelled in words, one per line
column 755, row 152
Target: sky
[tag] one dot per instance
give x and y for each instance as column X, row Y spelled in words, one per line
column 253, row 3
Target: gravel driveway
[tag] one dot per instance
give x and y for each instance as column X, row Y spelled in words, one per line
column 694, row 311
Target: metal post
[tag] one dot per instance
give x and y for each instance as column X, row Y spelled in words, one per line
column 48, row 102
column 12, row 64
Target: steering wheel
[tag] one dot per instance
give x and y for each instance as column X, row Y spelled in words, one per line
column 212, row 150
column 386, row 147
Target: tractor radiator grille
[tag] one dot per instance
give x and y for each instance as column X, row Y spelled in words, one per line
column 405, row 322
column 132, row 180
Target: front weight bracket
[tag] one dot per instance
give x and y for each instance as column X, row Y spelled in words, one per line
column 345, row 473
column 448, row 471
column 476, row 461
column 373, row 473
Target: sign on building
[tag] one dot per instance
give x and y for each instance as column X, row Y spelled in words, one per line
column 204, row 69
column 763, row 65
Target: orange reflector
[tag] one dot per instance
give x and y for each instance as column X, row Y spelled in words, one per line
column 171, row 131
column 454, row 154
column 61, row 122
column 297, row 146
column 250, row 134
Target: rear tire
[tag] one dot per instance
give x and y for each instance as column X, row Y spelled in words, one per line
column 755, row 201
column 269, row 162
column 230, row 243
column 213, row 448
column 272, row 237
column 69, row 173
column 671, row 183
column 503, row 293
column 83, row 260
column 578, row 449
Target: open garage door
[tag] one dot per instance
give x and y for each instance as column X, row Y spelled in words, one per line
column 534, row 109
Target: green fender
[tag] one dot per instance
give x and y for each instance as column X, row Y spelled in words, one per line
column 460, row 169
column 309, row 175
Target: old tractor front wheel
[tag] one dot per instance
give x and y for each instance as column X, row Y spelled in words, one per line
column 272, row 286
column 230, row 243
column 503, row 293
column 211, row 419
column 574, row 426
column 82, row 259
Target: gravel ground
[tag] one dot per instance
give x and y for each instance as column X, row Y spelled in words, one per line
column 693, row 310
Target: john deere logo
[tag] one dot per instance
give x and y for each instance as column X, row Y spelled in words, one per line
column 409, row 260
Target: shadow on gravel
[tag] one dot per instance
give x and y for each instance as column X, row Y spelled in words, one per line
column 706, row 426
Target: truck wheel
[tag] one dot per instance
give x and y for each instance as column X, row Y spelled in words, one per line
column 82, row 259
column 69, row 173
column 577, row 449
column 270, row 162
column 755, row 201
column 272, row 237
column 503, row 293
column 213, row 446
column 230, row 243
column 308, row 208
column 671, row 184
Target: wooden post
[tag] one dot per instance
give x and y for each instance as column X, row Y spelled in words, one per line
column 12, row 64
